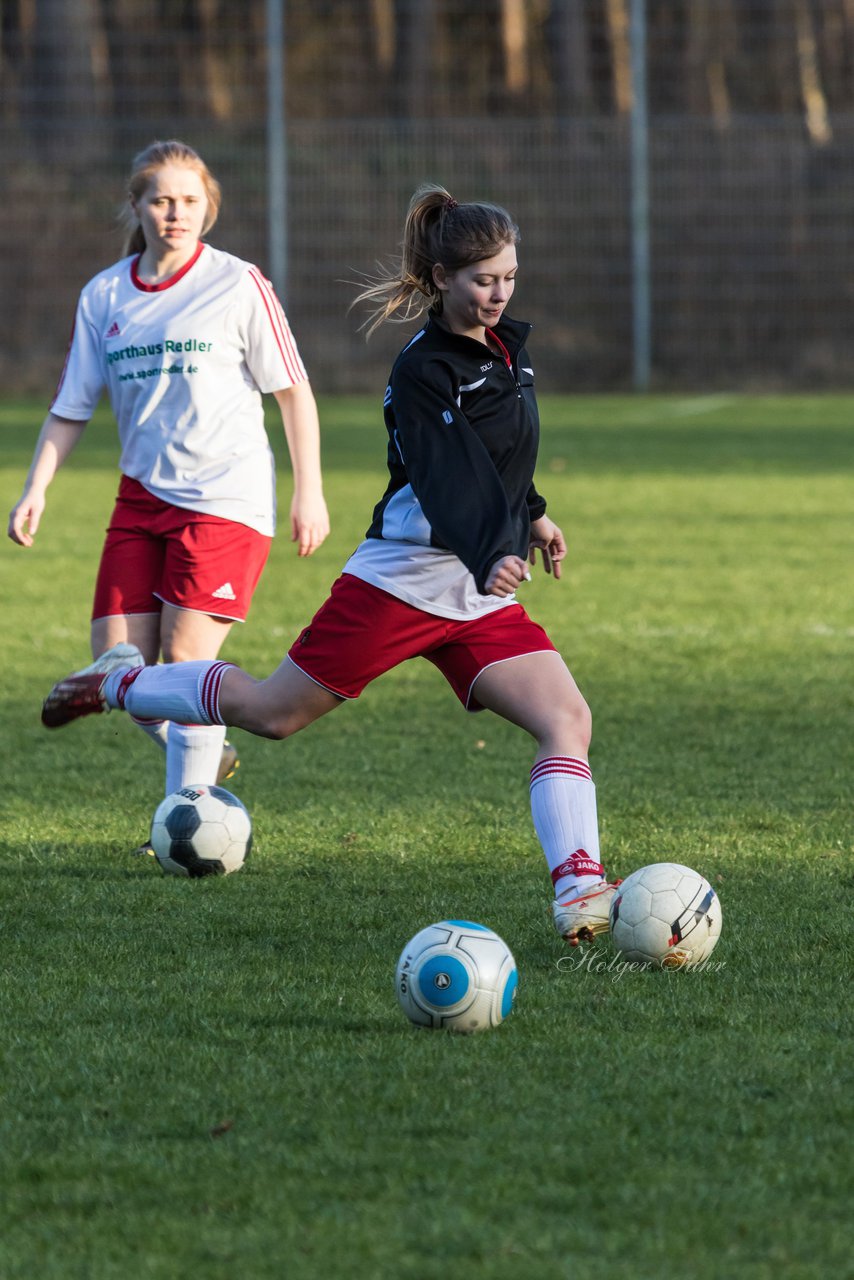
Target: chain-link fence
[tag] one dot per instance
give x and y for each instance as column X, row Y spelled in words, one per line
column 525, row 102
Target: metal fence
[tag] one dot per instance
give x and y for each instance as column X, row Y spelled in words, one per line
column 750, row 167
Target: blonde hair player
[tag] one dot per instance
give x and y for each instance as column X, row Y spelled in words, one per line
column 449, row 546
column 186, row 339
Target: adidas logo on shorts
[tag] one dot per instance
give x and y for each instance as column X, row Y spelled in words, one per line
column 225, row 592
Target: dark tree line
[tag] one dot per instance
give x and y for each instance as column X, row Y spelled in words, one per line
column 66, row 65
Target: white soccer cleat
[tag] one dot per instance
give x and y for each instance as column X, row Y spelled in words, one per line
column 582, row 917
column 80, row 694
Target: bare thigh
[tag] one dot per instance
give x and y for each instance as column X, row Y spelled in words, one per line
column 186, row 635
column 537, row 692
column 277, row 707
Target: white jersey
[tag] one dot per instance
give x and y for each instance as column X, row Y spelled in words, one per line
column 185, row 364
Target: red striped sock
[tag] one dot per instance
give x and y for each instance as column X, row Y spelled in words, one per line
column 563, row 806
column 186, row 692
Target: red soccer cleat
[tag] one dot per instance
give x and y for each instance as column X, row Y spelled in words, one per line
column 81, row 694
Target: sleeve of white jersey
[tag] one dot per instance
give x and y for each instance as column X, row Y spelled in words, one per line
column 82, row 378
column 270, row 351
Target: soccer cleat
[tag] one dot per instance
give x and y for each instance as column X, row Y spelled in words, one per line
column 144, row 850
column 581, row 918
column 228, row 763
column 80, row 694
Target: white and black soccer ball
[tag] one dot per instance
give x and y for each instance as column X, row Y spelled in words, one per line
column 667, row 916
column 201, row 831
column 456, row 976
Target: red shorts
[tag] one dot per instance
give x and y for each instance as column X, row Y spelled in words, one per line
column 361, row 631
column 157, row 554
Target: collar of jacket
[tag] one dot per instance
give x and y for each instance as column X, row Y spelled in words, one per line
column 511, row 332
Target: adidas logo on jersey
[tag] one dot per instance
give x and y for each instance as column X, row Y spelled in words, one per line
column 114, row 331
column 225, row 592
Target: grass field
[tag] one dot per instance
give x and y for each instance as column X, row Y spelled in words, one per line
column 212, row 1078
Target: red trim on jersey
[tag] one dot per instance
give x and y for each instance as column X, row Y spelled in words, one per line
column 490, row 333
column 164, row 284
column 281, row 330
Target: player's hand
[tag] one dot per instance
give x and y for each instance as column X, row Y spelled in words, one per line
column 24, row 519
column 505, row 576
column 309, row 525
column 548, row 539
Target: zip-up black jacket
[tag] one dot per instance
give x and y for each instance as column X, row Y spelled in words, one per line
column 463, row 433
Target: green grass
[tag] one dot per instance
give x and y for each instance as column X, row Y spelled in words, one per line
column 213, row 1078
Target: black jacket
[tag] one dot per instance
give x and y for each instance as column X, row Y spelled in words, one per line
column 463, row 433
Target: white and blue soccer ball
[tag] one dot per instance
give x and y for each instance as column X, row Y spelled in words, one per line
column 201, row 831
column 456, row 976
column 667, row 916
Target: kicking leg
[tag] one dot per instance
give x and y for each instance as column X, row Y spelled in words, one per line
column 196, row 693
column 277, row 707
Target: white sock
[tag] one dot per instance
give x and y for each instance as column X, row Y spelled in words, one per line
column 193, row 754
column 563, row 806
column 184, row 691
column 157, row 730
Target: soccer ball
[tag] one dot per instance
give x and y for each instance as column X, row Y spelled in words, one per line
column 667, row 916
column 456, row 975
column 201, row 831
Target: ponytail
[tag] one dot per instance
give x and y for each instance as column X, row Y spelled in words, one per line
column 134, row 242
column 438, row 229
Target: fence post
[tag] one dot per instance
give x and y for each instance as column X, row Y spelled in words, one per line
column 639, row 148
column 277, row 148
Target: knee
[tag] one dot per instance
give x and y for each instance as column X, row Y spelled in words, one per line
column 274, row 727
column 277, row 724
column 582, row 719
column 573, row 724
column 277, row 707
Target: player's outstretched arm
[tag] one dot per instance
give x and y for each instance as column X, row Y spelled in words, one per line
column 309, row 517
column 57, row 438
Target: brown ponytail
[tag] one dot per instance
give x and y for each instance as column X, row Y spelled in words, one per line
column 438, row 229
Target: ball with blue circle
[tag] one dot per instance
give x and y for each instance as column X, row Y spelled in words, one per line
column 456, row 975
